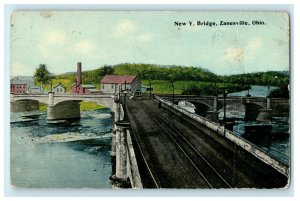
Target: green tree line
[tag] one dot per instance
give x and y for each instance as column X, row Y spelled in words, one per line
column 154, row 72
column 172, row 74
column 270, row 78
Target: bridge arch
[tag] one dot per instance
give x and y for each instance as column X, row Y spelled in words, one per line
column 233, row 110
column 41, row 99
column 104, row 101
column 24, row 105
column 201, row 108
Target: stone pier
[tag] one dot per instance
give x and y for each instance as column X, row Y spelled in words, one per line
column 63, row 110
column 214, row 114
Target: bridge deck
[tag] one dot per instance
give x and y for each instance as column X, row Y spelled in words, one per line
column 179, row 153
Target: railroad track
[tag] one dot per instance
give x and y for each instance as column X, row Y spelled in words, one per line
column 156, row 182
column 205, row 170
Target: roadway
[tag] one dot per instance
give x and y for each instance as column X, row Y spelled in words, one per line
column 174, row 152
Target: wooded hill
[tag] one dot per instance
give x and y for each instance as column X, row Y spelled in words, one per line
column 193, row 77
column 182, row 73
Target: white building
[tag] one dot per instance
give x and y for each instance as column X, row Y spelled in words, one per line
column 112, row 84
column 59, row 89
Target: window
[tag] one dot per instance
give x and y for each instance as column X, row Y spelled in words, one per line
column 57, row 90
column 102, row 86
column 112, row 86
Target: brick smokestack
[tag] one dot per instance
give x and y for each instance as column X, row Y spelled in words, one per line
column 79, row 78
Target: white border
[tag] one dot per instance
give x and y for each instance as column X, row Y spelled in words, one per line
column 7, row 9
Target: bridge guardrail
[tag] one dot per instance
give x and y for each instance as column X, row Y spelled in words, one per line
column 132, row 167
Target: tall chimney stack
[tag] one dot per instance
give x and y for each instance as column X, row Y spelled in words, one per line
column 79, row 73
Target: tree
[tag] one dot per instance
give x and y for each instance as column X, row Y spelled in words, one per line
column 106, row 70
column 42, row 76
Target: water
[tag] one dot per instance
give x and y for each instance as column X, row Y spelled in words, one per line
column 66, row 155
column 273, row 137
column 256, row 91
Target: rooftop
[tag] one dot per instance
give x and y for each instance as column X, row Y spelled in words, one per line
column 22, row 80
column 88, row 86
column 59, row 84
column 118, row 79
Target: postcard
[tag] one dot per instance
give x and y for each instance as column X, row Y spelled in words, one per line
column 150, row 99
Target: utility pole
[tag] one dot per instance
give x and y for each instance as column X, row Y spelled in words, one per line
column 173, row 93
column 51, row 86
column 150, row 88
column 224, row 116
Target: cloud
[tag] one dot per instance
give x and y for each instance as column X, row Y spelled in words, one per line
column 123, row 28
column 145, row 37
column 86, row 49
column 253, row 48
column 83, row 47
column 51, row 42
column 233, row 54
column 54, row 37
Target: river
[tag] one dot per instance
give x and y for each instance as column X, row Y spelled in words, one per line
column 66, row 155
column 273, row 137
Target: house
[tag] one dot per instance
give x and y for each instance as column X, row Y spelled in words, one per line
column 35, row 90
column 79, row 88
column 21, row 84
column 59, row 89
column 112, row 84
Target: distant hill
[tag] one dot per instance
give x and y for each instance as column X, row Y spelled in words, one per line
column 156, row 72
column 180, row 73
column 270, row 78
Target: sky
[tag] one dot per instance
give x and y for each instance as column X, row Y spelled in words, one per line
column 60, row 39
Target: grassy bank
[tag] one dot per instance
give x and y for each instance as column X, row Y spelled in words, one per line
column 165, row 87
column 84, row 106
column 42, row 107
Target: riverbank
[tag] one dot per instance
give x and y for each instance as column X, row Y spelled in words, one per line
column 84, row 106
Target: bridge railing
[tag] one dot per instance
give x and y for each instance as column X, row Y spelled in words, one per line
column 132, row 166
column 238, row 134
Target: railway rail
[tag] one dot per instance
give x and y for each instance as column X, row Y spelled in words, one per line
column 209, row 174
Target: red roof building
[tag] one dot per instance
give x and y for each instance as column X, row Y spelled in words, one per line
column 79, row 88
column 112, row 84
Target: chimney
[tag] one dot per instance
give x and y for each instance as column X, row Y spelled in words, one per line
column 79, row 73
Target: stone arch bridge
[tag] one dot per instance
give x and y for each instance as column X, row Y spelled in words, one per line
column 254, row 108
column 60, row 106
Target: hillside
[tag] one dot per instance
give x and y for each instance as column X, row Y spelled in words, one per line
column 184, row 78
